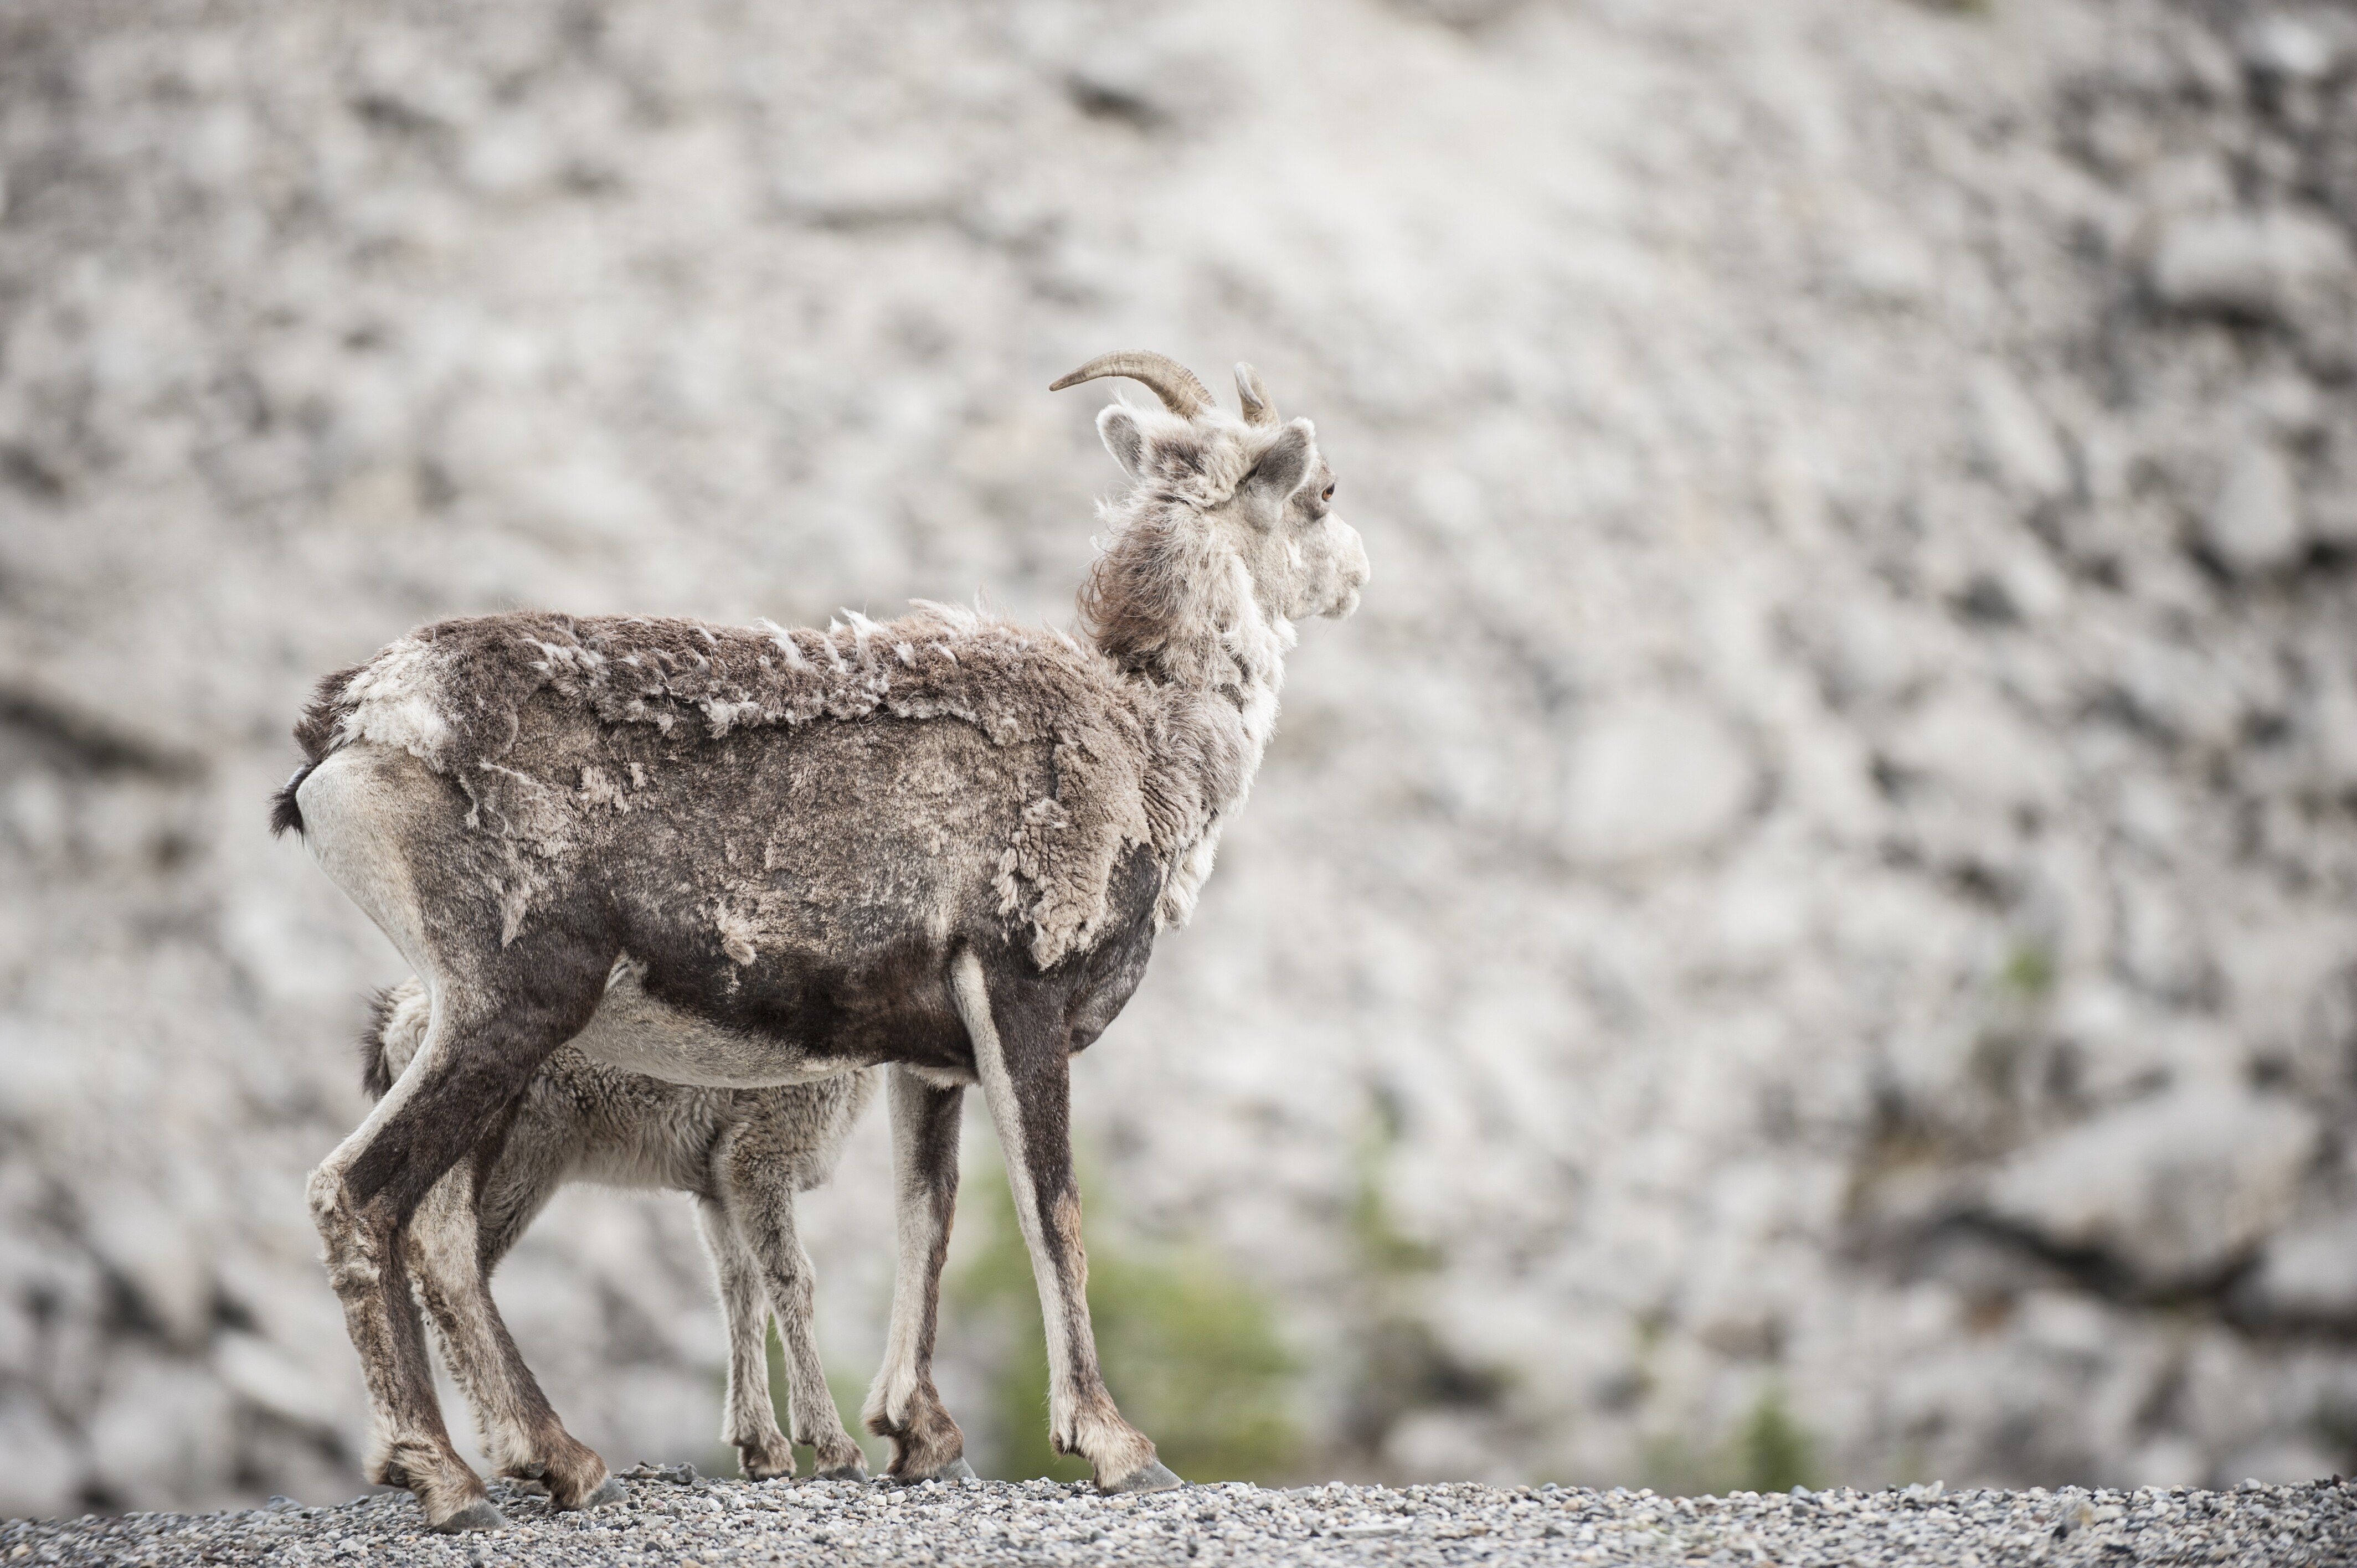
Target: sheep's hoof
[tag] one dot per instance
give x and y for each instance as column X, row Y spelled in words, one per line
column 1152, row 1476
column 476, row 1515
column 610, row 1491
column 849, row 1470
column 956, row 1470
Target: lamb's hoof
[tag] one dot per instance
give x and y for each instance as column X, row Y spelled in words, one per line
column 610, row 1491
column 1152, row 1476
column 476, row 1515
column 759, row 1464
column 850, row 1470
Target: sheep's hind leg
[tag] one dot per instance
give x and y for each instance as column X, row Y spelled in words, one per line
column 903, row 1406
column 1022, row 1061
column 408, row 1444
column 475, row 1061
column 454, row 1254
column 751, row 1422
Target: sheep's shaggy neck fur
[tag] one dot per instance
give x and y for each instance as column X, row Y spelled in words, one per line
column 1173, row 606
column 1168, row 600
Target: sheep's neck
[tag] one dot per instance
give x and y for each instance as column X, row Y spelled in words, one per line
column 1214, row 674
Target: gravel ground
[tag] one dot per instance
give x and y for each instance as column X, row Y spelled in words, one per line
column 673, row 1516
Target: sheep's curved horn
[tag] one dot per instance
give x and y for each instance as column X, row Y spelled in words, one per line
column 1168, row 380
column 1252, row 393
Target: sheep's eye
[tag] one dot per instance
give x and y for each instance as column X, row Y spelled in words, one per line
column 1328, row 494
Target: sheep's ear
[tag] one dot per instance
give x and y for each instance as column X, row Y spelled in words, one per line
column 1117, row 427
column 1286, row 462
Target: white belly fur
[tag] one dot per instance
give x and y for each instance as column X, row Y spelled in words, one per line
column 633, row 1031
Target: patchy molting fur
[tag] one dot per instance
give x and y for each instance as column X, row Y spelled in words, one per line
column 796, row 837
column 742, row 1153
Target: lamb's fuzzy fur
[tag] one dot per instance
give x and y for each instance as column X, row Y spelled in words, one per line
column 902, row 842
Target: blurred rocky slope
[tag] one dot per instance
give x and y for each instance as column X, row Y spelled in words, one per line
column 1820, row 880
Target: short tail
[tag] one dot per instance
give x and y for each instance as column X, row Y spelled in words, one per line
column 284, row 812
column 378, row 1041
column 315, row 733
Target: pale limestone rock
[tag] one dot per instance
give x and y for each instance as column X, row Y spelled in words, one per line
column 2170, row 1459
column 2332, row 730
column 1443, row 1443
column 2284, row 1461
column 2304, row 48
column 2228, row 1392
column 258, row 1372
column 159, row 1254
column 2274, row 264
column 2253, row 526
column 2284, row 964
column 2018, row 439
column 1969, row 742
column 1654, row 778
column 2174, row 1188
column 2122, row 1048
column 42, row 1465
column 156, row 1436
column 2309, row 1270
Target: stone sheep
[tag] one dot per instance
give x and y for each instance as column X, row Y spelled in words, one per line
column 943, row 843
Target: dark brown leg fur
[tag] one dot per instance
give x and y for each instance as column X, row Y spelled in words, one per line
column 1020, row 1048
column 903, row 1406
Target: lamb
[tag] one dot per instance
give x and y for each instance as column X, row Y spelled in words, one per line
column 943, row 842
column 744, row 1153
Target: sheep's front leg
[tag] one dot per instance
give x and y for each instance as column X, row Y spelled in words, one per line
column 1026, row 1081
column 903, row 1405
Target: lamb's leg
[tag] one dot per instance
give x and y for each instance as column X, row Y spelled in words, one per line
column 1021, row 1059
column 454, row 1254
column 751, row 1422
column 761, row 1203
column 903, row 1405
column 479, row 1054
